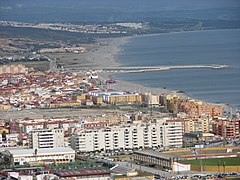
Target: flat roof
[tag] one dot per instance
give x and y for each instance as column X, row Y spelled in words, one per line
column 83, row 173
column 153, row 153
column 49, row 151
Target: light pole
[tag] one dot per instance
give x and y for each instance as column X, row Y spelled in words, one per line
column 177, row 166
column 219, row 166
column 201, row 164
column 200, row 159
column 224, row 166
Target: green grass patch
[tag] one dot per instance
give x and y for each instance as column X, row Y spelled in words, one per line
column 214, row 162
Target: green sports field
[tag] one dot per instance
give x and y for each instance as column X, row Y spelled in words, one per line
column 215, row 161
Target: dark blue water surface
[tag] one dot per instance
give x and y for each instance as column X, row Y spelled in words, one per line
column 188, row 48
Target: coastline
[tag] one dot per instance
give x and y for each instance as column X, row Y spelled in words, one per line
column 106, row 52
column 106, row 56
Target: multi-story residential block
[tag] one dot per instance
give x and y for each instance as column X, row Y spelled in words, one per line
column 197, row 124
column 46, row 138
column 79, row 97
column 111, row 118
column 226, row 128
column 115, row 97
column 151, row 99
column 196, row 109
column 13, row 69
column 162, row 133
column 125, row 98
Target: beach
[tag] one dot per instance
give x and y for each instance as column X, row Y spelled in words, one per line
column 104, row 54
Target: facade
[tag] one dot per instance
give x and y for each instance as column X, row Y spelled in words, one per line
column 125, row 98
column 196, row 109
column 197, row 124
column 25, row 156
column 117, row 97
column 9, row 140
column 27, row 125
column 162, row 133
column 13, row 69
column 47, row 138
column 197, row 138
column 226, row 128
column 172, row 104
column 154, row 158
column 151, row 99
column 111, row 119
column 164, row 161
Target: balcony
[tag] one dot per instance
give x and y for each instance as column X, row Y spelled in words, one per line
column 45, row 140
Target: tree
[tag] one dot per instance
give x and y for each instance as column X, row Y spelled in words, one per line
column 4, row 136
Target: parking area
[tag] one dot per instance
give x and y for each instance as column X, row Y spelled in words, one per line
column 112, row 156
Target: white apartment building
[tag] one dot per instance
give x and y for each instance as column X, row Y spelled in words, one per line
column 162, row 133
column 46, row 138
column 151, row 99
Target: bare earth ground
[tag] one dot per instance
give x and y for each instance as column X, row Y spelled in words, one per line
column 48, row 113
column 103, row 54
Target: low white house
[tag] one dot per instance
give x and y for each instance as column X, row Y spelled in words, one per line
column 24, row 156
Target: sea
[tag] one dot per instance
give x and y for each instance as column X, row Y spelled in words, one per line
column 188, row 48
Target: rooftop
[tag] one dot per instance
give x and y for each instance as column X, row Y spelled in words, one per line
column 83, row 173
column 156, row 154
column 49, row 151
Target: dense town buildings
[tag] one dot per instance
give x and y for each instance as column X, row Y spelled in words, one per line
column 114, row 28
column 142, row 121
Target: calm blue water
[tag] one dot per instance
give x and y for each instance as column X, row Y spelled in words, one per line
column 188, row 48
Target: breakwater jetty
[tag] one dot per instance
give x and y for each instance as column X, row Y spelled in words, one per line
column 129, row 69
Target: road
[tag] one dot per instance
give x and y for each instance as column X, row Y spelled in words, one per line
column 146, row 169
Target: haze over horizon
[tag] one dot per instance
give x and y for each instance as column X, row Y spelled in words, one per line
column 112, row 10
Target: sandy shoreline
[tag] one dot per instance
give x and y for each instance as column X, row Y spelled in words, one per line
column 105, row 55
